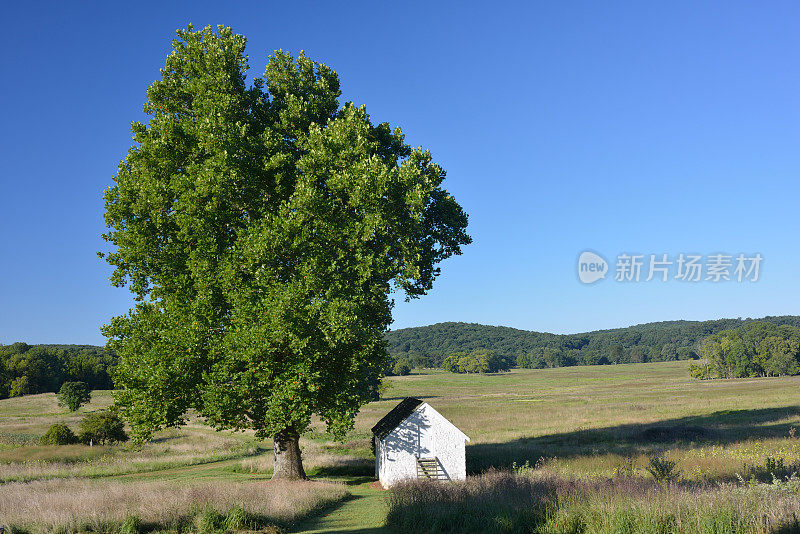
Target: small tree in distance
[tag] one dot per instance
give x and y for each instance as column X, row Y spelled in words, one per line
column 401, row 368
column 73, row 395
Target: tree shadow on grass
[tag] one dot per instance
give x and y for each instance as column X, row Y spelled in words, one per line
column 421, row 397
column 353, row 468
column 791, row 527
column 720, row 428
column 314, row 517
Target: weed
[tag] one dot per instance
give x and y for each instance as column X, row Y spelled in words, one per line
column 772, row 469
column 663, row 470
column 131, row 525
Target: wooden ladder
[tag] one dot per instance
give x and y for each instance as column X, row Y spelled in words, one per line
column 430, row 468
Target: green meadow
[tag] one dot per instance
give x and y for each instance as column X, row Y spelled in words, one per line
column 553, row 450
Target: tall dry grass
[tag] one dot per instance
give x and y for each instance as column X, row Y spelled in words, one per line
column 77, row 505
column 505, row 502
column 700, row 462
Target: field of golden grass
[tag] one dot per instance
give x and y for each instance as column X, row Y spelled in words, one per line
column 597, row 420
column 80, row 505
column 580, row 425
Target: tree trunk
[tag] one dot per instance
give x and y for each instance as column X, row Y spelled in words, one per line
column 288, row 463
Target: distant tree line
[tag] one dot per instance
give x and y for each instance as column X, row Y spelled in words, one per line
column 478, row 361
column 28, row 369
column 429, row 346
column 750, row 350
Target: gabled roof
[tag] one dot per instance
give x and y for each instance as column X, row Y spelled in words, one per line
column 398, row 414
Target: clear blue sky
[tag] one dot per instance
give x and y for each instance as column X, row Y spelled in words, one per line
column 609, row 126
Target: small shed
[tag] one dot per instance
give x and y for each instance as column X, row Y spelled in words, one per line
column 415, row 441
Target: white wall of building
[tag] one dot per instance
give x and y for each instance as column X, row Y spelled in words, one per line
column 424, row 434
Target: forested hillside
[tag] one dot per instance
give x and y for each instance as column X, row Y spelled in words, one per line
column 668, row 340
column 27, row 369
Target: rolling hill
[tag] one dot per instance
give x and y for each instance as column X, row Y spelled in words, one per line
column 660, row 341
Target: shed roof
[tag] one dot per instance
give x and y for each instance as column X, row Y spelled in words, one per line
column 395, row 417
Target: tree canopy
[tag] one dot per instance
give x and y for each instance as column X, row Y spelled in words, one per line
column 261, row 229
column 753, row 349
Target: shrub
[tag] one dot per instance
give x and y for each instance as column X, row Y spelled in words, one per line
column 772, row 469
column 73, row 395
column 663, row 470
column 401, row 368
column 58, row 434
column 102, row 427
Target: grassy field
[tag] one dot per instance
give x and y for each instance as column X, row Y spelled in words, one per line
column 566, row 432
column 594, row 420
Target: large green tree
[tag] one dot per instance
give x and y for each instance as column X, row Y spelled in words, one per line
column 262, row 229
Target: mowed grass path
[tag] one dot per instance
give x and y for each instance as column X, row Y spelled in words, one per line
column 363, row 512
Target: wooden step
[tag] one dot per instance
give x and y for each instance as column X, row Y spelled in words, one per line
column 429, row 468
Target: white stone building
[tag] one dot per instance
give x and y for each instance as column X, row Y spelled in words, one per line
column 415, row 441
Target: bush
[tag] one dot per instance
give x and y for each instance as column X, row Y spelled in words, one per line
column 73, row 395
column 102, row 427
column 663, row 470
column 772, row 469
column 58, row 434
column 401, row 368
